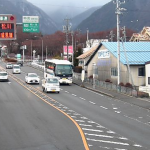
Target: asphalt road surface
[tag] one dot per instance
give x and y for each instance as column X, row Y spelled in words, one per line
column 32, row 120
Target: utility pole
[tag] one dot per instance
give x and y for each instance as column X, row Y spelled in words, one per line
column 118, row 12
column 72, row 49
column 66, row 29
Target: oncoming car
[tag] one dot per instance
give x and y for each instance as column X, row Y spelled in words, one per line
column 16, row 69
column 32, row 78
column 3, row 76
column 9, row 66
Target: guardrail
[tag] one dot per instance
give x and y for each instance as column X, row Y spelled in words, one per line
column 36, row 65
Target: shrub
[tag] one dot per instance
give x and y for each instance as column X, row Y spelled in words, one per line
column 121, row 84
column 128, row 85
column 107, row 80
column 10, row 60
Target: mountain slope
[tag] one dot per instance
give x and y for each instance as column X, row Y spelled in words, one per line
column 79, row 18
column 24, row 8
column 135, row 18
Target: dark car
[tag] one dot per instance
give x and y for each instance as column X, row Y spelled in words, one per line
column 20, row 62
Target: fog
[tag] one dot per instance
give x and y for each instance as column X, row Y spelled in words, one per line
column 78, row 5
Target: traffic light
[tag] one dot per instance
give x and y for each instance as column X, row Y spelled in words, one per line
column 7, row 27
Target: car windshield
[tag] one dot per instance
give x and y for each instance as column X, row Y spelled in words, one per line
column 32, row 75
column 3, row 74
column 52, row 80
column 17, row 67
column 9, row 64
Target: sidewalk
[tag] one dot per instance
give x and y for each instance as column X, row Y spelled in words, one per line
column 141, row 102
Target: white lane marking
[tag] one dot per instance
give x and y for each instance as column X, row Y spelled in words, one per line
column 122, row 138
column 71, row 110
column 74, row 95
column 82, row 98
column 85, row 129
column 80, row 120
column 94, row 92
column 76, row 114
column 119, row 149
column 105, row 147
column 84, row 118
column 90, row 145
column 103, row 107
column 9, row 82
column 115, row 108
column 97, row 135
column 136, row 120
column 136, row 145
column 85, row 125
column 73, row 116
column 92, row 102
column 140, row 117
column 66, row 91
column 91, row 122
column 99, row 126
column 111, row 132
column 111, row 142
column 118, row 112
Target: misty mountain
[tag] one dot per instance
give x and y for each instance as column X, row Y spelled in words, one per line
column 75, row 16
column 135, row 17
column 21, row 8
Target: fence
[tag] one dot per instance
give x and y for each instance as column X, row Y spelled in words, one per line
column 107, row 85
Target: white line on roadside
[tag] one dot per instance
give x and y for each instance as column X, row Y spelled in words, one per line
column 92, row 102
column 74, row 95
column 103, row 107
column 82, row 98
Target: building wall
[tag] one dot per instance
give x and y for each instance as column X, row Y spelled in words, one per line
column 104, row 66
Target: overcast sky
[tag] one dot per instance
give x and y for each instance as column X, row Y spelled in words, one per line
column 77, row 4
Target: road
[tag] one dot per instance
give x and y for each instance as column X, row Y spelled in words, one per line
column 107, row 123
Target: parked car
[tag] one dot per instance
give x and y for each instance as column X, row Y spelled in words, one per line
column 3, row 76
column 16, row 69
column 32, row 78
column 51, row 85
column 9, row 66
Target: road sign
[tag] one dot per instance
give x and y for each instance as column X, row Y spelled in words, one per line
column 30, row 24
column 7, row 27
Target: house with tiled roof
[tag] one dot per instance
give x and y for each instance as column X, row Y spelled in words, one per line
column 83, row 58
column 144, row 35
column 132, row 54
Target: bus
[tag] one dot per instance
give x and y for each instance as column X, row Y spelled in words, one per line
column 62, row 69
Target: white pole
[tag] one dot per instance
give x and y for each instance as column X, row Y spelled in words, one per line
column 46, row 52
column 118, row 40
column 42, row 51
column 23, row 53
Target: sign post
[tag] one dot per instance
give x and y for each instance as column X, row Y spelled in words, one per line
column 7, row 27
column 30, row 24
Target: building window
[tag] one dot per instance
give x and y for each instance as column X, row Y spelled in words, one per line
column 141, row 71
column 114, row 72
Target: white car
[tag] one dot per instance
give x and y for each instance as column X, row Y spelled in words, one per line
column 51, row 85
column 32, row 78
column 9, row 66
column 16, row 69
column 3, row 76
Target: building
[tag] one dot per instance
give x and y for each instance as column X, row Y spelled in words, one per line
column 132, row 54
column 144, row 35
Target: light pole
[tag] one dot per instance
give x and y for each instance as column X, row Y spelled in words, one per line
column 31, row 50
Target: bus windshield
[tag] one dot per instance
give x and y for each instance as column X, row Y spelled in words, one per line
column 63, row 69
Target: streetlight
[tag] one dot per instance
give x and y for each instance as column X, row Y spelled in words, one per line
column 42, row 50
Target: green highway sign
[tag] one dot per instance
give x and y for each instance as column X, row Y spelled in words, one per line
column 31, row 24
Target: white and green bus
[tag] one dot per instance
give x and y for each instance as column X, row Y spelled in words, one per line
column 62, row 69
